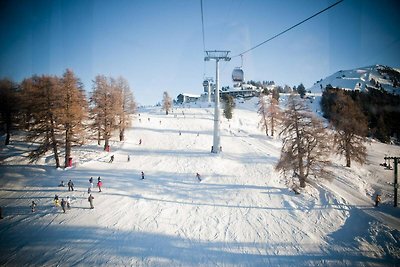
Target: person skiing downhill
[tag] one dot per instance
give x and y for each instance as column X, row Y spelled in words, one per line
column 198, row 177
column 112, row 159
column 90, row 199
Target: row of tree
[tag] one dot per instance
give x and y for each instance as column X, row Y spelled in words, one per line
column 379, row 108
column 57, row 115
column 307, row 143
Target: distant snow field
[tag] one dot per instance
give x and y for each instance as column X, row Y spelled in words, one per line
column 242, row 213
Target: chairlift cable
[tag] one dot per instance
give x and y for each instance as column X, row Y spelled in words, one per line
column 288, row 29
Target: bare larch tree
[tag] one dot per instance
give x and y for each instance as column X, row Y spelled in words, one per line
column 166, row 102
column 74, row 112
column 305, row 144
column 351, row 127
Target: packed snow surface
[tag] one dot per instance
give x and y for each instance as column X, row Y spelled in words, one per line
column 242, row 212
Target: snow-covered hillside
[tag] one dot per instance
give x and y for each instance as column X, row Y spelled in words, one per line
column 242, row 213
column 358, row 79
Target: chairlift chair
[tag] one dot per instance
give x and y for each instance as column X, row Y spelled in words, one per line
column 237, row 75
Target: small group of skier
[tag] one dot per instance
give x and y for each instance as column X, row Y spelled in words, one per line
column 65, row 203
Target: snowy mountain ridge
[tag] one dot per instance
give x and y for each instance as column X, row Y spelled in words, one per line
column 375, row 76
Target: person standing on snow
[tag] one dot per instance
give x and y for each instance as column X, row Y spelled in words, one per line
column 142, row 175
column 90, row 199
column 68, row 202
column 33, row 206
column 70, row 186
column 377, row 200
column 129, row 158
column 91, row 182
column 63, row 203
column 99, row 185
column 56, row 202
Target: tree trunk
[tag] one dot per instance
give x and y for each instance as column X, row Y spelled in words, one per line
column 67, row 147
column 348, row 157
column 302, row 177
column 272, row 126
column 265, row 123
column 302, row 182
column 8, row 132
column 54, row 144
column 105, row 141
column 122, row 135
column 7, row 142
column 98, row 137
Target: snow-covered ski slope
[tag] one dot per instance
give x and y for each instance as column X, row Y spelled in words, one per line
column 242, row 213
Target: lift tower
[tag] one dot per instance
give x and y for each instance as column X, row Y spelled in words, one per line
column 216, row 55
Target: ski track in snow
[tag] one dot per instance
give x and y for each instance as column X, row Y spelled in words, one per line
column 239, row 214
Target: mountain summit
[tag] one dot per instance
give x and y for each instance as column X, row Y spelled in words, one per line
column 377, row 77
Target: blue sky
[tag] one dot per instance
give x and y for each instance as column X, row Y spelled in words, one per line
column 157, row 45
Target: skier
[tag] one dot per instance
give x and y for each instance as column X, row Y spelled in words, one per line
column 89, row 190
column 140, row 141
column 90, row 199
column 68, row 202
column 377, row 200
column 112, row 159
column 129, row 158
column 91, row 182
column 198, row 177
column 56, row 202
column 142, row 175
column 33, row 206
column 99, row 184
column 63, row 202
column 70, row 185
column 61, row 184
